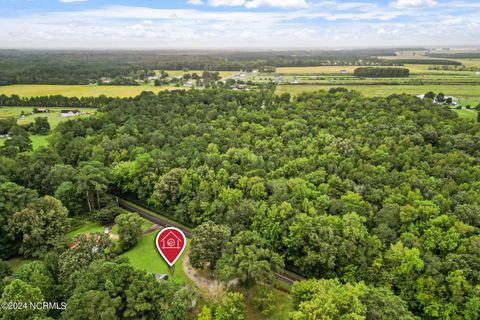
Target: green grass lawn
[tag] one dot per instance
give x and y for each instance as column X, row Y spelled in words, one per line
column 282, row 302
column 144, row 256
column 88, row 227
column 17, row 262
column 29, row 90
column 467, row 114
column 37, row 141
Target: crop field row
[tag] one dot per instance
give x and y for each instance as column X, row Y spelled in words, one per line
column 28, row 90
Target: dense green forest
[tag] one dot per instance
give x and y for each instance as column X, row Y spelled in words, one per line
column 377, row 197
column 378, row 72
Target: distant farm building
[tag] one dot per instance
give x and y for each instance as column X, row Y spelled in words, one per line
column 454, row 102
column 343, row 71
column 454, row 99
column 39, row 110
column 70, row 113
column 238, row 86
column 295, row 81
column 278, row 79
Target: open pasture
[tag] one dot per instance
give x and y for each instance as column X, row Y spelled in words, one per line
column 32, row 90
column 144, row 256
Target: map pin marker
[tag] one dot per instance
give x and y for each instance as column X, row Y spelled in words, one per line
column 170, row 243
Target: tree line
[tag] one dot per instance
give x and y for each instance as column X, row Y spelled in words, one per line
column 128, row 67
column 56, row 101
column 378, row 72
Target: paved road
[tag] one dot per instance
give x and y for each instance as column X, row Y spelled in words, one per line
column 288, row 278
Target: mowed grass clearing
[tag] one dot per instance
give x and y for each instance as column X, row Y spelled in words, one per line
column 87, row 228
column 17, row 262
column 37, row 141
column 467, row 114
column 144, row 256
column 33, row 90
column 282, row 304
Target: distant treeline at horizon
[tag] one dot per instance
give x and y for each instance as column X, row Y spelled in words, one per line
column 126, row 67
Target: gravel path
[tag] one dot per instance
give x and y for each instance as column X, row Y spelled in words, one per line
column 211, row 287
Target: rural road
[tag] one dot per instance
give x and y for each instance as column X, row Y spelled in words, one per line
column 285, row 277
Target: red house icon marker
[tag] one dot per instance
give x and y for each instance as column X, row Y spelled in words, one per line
column 170, row 243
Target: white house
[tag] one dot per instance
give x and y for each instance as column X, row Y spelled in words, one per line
column 70, row 113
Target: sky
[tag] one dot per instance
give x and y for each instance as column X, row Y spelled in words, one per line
column 238, row 24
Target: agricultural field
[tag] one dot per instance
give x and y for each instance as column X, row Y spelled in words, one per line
column 470, row 62
column 32, row 90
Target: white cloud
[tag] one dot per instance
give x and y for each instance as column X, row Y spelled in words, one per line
column 217, row 27
column 252, row 4
column 276, row 4
column 227, row 3
column 70, row 1
column 452, row 21
column 413, row 3
column 196, row 2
